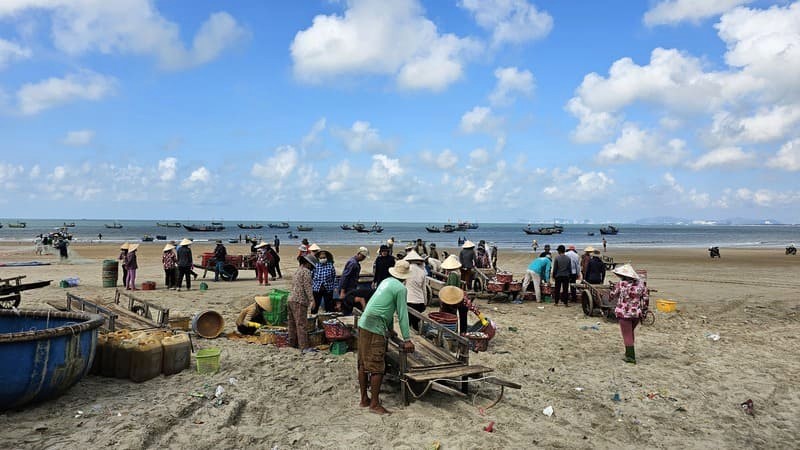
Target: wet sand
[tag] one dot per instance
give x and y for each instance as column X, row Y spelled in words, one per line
column 684, row 392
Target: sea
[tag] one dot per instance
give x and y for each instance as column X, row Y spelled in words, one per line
column 504, row 235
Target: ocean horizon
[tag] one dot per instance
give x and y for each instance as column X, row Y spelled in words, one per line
column 505, row 235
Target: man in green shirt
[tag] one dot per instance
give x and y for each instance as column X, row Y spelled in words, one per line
column 375, row 324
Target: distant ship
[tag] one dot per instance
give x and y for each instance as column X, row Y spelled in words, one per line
column 609, row 229
column 169, row 225
column 257, row 226
column 68, row 225
column 433, row 229
column 204, row 227
column 279, row 225
column 304, row 228
column 115, row 225
column 17, row 225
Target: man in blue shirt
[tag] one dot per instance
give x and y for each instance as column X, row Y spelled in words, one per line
column 352, row 270
column 538, row 271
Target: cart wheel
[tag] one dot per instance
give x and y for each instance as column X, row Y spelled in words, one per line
column 649, row 318
column 587, row 303
column 10, row 302
column 229, row 272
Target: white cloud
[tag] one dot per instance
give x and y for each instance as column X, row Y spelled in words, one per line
column 479, row 157
column 35, row 172
column 79, row 138
column 593, row 126
column 511, row 82
column 576, row 184
column 723, row 157
column 167, row 168
column 52, row 92
column 277, row 167
column 313, row 134
column 787, row 158
column 59, row 173
column 677, row 194
column 671, row 12
column 131, row 26
column 9, row 174
column 375, row 37
column 10, row 51
column 338, row 176
column 384, row 176
column 362, row 137
column 767, row 197
column 634, row 144
column 510, row 21
column 201, row 175
column 446, row 159
column 480, row 119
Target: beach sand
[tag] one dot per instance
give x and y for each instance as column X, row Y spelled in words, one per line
column 685, row 391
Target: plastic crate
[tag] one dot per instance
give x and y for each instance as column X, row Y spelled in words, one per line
column 208, row 361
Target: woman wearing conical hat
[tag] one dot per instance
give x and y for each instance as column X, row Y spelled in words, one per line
column 169, row 260
column 632, row 302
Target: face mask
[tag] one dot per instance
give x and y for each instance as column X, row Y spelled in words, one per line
column 323, row 260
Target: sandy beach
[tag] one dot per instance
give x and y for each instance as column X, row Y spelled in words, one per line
column 684, row 392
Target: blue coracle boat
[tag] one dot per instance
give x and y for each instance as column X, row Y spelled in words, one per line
column 43, row 353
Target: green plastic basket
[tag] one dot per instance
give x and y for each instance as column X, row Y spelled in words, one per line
column 339, row 348
column 278, row 299
column 208, row 361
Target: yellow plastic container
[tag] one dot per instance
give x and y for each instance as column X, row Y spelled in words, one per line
column 666, row 306
column 123, row 356
column 177, row 353
column 146, row 359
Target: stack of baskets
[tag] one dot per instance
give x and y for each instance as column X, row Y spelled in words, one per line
column 447, row 320
column 478, row 341
column 502, row 282
column 278, row 311
column 336, row 330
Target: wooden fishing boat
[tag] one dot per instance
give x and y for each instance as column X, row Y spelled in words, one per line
column 169, row 225
column 448, row 228
column 304, row 228
column 204, row 227
column 609, row 229
column 68, row 225
column 279, row 225
column 256, row 226
column 147, row 238
column 346, row 227
column 433, row 229
column 115, row 225
column 16, row 225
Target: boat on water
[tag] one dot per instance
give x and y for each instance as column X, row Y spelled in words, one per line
column 346, row 227
column 543, row 231
column 204, row 227
column 68, row 225
column 590, row 233
column 147, row 238
column 169, row 225
column 279, row 225
column 115, row 225
column 376, row 228
column 466, row 225
column 449, row 228
column 433, row 229
column 16, row 225
column 609, row 229
column 304, row 228
column 219, row 224
column 161, row 237
column 256, row 226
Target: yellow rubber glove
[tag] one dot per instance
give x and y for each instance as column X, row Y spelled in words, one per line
column 253, row 324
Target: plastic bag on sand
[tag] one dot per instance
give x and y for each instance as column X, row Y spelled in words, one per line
column 548, row 411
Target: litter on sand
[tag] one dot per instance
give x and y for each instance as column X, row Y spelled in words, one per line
column 548, row 411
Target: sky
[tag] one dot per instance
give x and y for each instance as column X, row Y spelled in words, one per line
column 408, row 110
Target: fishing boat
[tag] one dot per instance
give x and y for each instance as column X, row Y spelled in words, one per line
column 256, row 226
column 161, row 237
column 448, row 228
column 433, row 229
column 466, row 225
column 376, row 228
column 147, row 238
column 543, row 231
column 169, row 225
column 204, row 227
column 68, row 225
column 218, row 224
column 590, row 233
column 115, row 225
column 609, row 229
column 16, row 225
column 346, row 227
column 291, row 236
column 279, row 225
column 304, row 228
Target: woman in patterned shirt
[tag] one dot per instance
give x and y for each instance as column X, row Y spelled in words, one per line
column 170, row 262
column 262, row 260
column 632, row 302
column 323, row 282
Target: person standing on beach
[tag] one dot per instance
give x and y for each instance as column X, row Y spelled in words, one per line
column 493, row 255
column 604, row 244
column 596, row 269
column 262, row 274
column 169, row 260
column 433, row 253
column 632, row 302
column 420, row 248
column 416, row 286
column 220, row 252
column 273, row 263
column 380, row 268
column 374, row 327
column 277, row 244
column 62, row 245
column 575, row 270
column 185, row 263
column 468, row 261
column 352, row 269
column 300, row 298
column 562, row 271
column 132, row 264
column 535, row 245
column 546, row 250
column 324, row 281
column 123, row 254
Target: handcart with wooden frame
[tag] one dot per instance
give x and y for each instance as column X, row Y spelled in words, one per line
column 596, row 299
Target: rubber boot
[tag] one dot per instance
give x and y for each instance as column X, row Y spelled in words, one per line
column 630, row 354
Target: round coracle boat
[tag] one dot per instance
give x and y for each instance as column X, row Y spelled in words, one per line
column 43, row 353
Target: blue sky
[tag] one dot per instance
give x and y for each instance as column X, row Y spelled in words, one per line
column 410, row 110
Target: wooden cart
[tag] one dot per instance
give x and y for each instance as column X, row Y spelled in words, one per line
column 432, row 366
column 11, row 290
column 597, row 300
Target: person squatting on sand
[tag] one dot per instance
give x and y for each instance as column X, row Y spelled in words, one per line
column 632, row 302
column 251, row 318
column 301, row 296
column 375, row 324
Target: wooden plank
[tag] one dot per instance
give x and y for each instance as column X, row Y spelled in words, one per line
column 453, row 373
column 446, row 389
column 501, row 382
